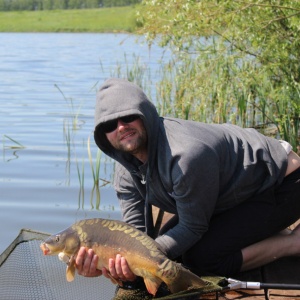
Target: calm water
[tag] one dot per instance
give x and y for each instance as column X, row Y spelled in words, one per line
column 48, row 84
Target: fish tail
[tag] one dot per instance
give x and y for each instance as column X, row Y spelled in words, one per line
column 179, row 278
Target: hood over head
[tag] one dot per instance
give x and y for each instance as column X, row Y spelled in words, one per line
column 118, row 98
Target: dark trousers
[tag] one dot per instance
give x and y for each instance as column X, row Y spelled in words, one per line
column 219, row 250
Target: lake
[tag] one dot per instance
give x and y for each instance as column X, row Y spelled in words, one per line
column 48, row 85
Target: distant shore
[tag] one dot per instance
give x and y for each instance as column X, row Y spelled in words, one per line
column 115, row 19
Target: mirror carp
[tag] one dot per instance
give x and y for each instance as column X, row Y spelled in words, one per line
column 108, row 238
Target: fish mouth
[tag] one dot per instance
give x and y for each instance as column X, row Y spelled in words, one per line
column 45, row 249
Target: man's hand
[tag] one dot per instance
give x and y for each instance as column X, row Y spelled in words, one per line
column 118, row 269
column 86, row 263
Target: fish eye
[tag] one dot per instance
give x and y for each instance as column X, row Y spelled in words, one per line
column 57, row 238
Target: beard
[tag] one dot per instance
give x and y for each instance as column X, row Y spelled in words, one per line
column 135, row 145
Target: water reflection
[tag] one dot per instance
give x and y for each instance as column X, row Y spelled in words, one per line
column 95, row 198
column 14, row 154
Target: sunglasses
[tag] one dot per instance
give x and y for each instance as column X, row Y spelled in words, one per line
column 112, row 125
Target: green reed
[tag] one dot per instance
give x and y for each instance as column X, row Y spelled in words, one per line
column 95, row 193
column 227, row 90
column 136, row 71
column 218, row 90
column 68, row 139
column 96, row 170
column 15, row 146
column 80, row 171
column 74, row 111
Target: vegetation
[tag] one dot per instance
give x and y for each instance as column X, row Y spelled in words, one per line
column 71, row 125
column 12, row 146
column 115, row 19
column 233, row 61
column 12, row 5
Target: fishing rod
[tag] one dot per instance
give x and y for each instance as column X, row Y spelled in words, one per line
column 237, row 284
column 252, row 285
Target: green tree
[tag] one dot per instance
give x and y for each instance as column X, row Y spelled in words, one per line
column 6, row 5
column 91, row 4
column 59, row 4
column 233, row 61
column 47, row 4
column 111, row 3
column 3, row 5
column 75, row 4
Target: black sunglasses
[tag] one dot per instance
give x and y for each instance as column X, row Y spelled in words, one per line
column 110, row 126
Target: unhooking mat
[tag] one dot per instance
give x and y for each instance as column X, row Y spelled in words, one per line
column 26, row 274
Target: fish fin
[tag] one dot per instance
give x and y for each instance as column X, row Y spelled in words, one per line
column 152, row 284
column 70, row 272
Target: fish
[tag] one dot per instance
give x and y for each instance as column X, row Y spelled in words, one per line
column 108, row 238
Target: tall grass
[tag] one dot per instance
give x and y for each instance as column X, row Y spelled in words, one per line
column 70, row 128
column 68, row 140
column 96, row 169
column 219, row 91
column 80, row 173
column 74, row 111
column 81, row 193
column 210, row 91
column 15, row 145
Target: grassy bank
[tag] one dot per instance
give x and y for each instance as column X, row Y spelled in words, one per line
column 116, row 19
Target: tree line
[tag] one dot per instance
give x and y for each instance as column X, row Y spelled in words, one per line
column 15, row 5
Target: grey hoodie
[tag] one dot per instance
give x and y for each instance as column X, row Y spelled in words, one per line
column 194, row 170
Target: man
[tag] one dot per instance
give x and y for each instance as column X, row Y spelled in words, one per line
column 233, row 191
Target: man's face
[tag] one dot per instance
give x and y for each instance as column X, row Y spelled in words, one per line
column 130, row 137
